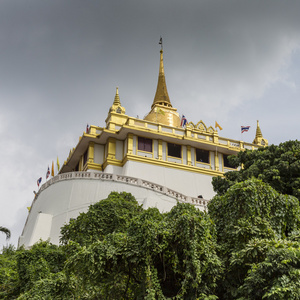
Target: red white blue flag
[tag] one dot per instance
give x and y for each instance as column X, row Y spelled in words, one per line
column 48, row 173
column 39, row 181
column 244, row 128
column 183, row 121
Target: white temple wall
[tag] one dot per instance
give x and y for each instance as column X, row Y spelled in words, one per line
column 65, row 199
column 189, row 183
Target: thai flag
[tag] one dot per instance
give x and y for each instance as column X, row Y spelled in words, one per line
column 245, row 128
column 48, row 173
column 39, row 181
column 183, row 121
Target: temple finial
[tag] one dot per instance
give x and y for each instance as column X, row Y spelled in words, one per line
column 162, row 110
column 117, row 107
column 161, row 43
column 161, row 95
column 259, row 140
column 258, row 131
column 117, row 97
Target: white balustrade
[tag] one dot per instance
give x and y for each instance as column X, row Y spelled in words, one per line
column 124, row 179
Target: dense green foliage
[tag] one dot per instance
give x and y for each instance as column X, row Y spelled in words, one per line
column 157, row 256
column 249, row 210
column 117, row 250
column 24, row 272
column 276, row 272
column 246, row 247
column 256, row 217
column 113, row 214
column 279, row 166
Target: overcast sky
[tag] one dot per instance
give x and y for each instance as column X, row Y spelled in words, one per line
column 234, row 62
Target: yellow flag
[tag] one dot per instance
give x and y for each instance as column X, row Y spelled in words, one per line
column 217, row 125
column 52, row 170
column 58, row 166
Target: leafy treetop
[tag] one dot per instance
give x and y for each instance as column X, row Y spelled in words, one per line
column 279, row 166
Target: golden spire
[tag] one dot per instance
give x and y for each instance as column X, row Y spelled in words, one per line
column 116, row 116
column 161, row 109
column 161, row 95
column 259, row 140
column 258, row 131
column 117, row 107
column 117, row 97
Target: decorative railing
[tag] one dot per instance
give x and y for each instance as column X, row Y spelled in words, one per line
column 128, row 180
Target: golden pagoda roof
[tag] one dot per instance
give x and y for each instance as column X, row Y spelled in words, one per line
column 258, row 131
column 162, row 110
column 259, row 139
column 117, row 97
column 117, row 107
column 161, row 95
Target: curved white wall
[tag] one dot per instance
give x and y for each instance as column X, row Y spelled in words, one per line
column 188, row 183
column 65, row 196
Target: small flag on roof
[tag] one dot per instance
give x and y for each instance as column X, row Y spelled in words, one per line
column 52, row 169
column 183, row 121
column 58, row 165
column 48, row 173
column 244, row 128
column 39, row 181
column 218, row 126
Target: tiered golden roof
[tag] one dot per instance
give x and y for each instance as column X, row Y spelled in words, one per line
column 259, row 139
column 161, row 95
column 117, row 107
column 161, row 109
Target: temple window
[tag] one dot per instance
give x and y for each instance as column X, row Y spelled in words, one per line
column 144, row 144
column 226, row 162
column 174, row 150
column 202, row 156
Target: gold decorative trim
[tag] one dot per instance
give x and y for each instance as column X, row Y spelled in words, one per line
column 113, row 162
column 93, row 166
column 200, row 126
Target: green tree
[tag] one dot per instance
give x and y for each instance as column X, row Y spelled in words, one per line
column 279, row 166
column 36, row 273
column 276, row 275
column 249, row 210
column 8, row 273
column 150, row 256
column 38, row 263
column 106, row 216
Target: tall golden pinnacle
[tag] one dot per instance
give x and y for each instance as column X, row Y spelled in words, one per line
column 161, row 95
column 161, row 109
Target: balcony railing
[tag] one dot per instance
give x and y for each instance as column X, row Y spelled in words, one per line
column 128, row 180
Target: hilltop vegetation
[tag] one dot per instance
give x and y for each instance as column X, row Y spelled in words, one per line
column 247, row 246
